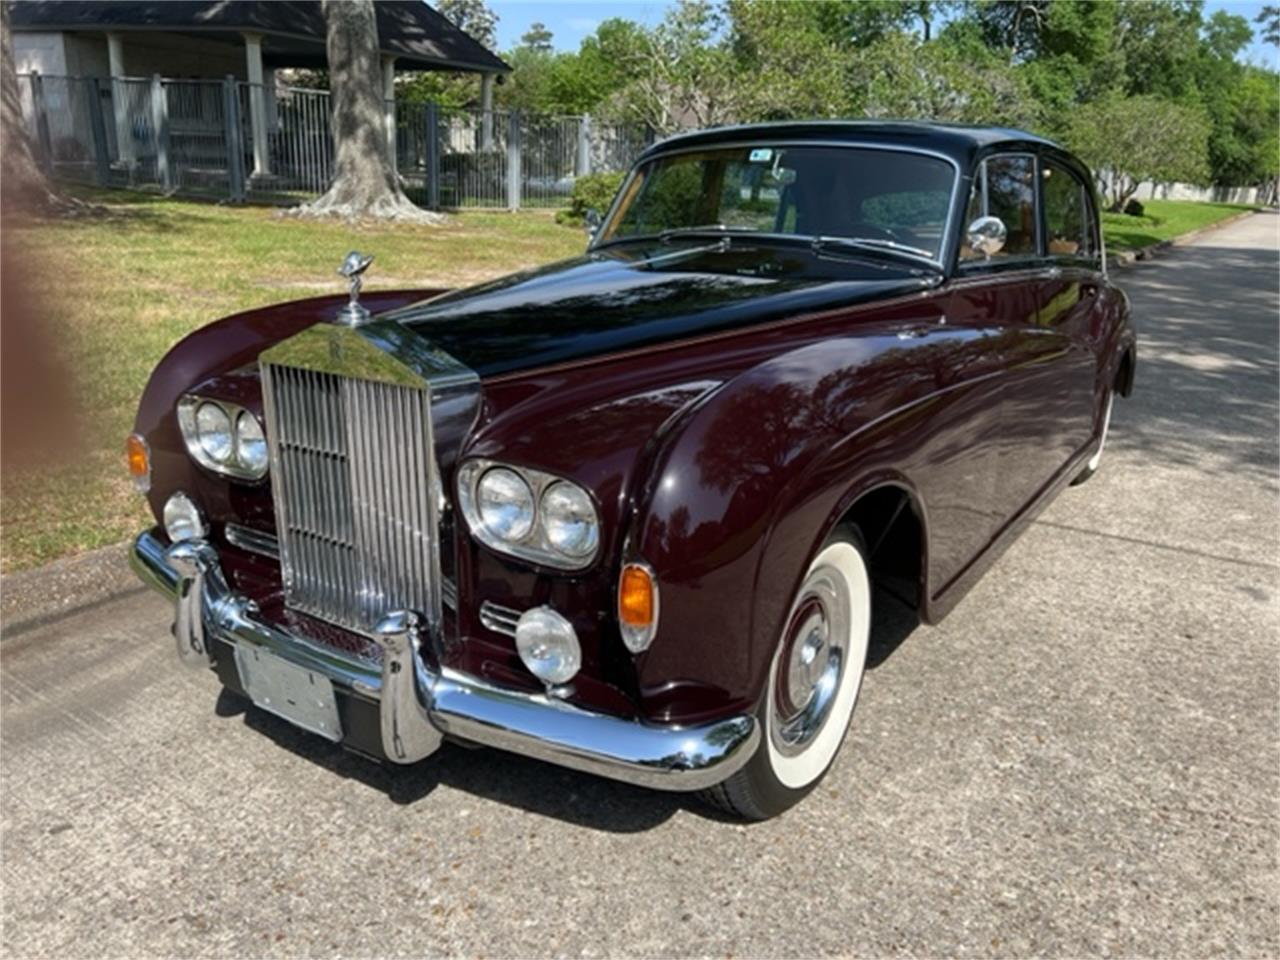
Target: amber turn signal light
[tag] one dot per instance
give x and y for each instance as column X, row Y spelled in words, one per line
column 637, row 606
column 139, row 458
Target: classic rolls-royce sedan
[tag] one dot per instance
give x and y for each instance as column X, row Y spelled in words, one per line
column 635, row 512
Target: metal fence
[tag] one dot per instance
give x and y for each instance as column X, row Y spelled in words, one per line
column 227, row 138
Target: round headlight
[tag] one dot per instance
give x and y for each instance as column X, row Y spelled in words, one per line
column 182, row 520
column 251, row 445
column 569, row 520
column 548, row 645
column 505, row 503
column 213, row 432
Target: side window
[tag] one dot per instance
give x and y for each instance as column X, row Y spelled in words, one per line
column 1005, row 188
column 1068, row 225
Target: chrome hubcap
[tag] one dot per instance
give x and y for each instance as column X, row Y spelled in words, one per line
column 812, row 663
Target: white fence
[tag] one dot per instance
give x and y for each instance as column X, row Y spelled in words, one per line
column 1189, row 191
column 248, row 142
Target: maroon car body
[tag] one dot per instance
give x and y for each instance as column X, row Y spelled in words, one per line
column 727, row 401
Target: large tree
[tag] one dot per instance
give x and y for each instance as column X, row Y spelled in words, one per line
column 366, row 184
column 25, row 186
column 1141, row 138
column 474, row 17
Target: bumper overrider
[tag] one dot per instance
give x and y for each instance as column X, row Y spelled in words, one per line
column 416, row 705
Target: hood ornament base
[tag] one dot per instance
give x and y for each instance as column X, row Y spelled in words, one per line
column 355, row 264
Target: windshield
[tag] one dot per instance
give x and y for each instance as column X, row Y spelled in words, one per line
column 889, row 198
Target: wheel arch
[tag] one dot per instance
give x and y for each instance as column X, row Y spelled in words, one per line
column 893, row 520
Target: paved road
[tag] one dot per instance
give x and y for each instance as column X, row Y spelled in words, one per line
column 1082, row 760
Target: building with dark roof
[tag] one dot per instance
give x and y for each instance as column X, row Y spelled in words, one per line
column 245, row 39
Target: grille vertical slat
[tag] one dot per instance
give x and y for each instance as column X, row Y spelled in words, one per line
column 352, row 474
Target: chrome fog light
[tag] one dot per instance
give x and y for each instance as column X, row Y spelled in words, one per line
column 548, row 645
column 182, row 519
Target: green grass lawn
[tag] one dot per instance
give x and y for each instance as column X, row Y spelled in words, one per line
column 1163, row 220
column 120, row 289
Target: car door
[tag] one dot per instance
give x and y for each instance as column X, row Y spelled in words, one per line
column 1004, row 288
column 1067, row 301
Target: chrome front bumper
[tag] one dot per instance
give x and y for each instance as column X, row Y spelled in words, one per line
column 419, row 706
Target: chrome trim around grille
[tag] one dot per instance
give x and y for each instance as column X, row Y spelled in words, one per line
column 352, row 471
column 350, row 427
column 254, row 541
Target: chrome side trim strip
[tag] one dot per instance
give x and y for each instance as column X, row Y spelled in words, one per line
column 498, row 618
column 254, row 541
column 418, row 706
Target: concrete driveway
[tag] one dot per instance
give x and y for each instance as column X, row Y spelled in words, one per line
column 1083, row 759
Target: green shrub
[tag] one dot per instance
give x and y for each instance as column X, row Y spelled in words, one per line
column 594, row 191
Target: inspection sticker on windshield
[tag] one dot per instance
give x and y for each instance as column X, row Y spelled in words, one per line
column 761, row 155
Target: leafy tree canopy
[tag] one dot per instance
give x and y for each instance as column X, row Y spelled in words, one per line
column 1038, row 64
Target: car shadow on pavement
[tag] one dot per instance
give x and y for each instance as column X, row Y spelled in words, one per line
column 540, row 788
column 531, row 785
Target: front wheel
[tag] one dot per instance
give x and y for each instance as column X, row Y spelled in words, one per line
column 812, row 688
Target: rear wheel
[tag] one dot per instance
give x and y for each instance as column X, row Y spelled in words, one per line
column 1091, row 467
column 812, row 687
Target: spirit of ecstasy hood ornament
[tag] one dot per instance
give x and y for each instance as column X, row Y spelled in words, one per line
column 353, row 314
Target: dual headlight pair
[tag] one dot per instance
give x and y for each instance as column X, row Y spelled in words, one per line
column 224, row 437
column 515, row 510
column 529, row 514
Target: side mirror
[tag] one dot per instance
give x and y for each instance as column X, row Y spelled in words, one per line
column 987, row 235
column 593, row 223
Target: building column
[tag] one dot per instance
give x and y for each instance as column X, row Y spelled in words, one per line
column 257, row 104
column 389, row 104
column 120, row 99
column 486, row 111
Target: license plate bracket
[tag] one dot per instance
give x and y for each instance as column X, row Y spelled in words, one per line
column 301, row 696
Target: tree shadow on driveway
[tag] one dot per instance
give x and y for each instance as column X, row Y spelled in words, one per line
column 1205, row 394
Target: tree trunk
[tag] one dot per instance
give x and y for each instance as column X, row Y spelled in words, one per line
column 365, row 185
column 25, row 187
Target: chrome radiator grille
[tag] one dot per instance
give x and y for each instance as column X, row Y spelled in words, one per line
column 353, row 475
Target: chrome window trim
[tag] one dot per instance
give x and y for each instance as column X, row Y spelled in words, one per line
column 948, row 238
column 1095, row 260
column 1037, row 257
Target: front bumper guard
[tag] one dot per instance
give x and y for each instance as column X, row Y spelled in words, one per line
column 419, row 706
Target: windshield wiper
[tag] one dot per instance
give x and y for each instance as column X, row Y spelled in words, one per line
column 870, row 243
column 717, row 229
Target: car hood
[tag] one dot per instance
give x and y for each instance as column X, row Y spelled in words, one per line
column 617, row 300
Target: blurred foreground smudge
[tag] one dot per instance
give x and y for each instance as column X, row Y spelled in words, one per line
column 37, row 414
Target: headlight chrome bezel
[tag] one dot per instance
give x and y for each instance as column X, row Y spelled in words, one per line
column 535, row 546
column 235, row 466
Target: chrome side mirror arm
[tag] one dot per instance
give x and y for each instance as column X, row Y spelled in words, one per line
column 593, row 225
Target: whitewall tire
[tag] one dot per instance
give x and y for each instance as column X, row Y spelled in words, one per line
column 1095, row 461
column 812, row 687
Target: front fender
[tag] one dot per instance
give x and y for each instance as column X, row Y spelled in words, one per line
column 746, row 489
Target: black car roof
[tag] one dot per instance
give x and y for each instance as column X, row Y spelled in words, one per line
column 959, row 142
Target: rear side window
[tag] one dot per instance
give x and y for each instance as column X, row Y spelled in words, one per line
column 1067, row 213
column 1005, row 188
